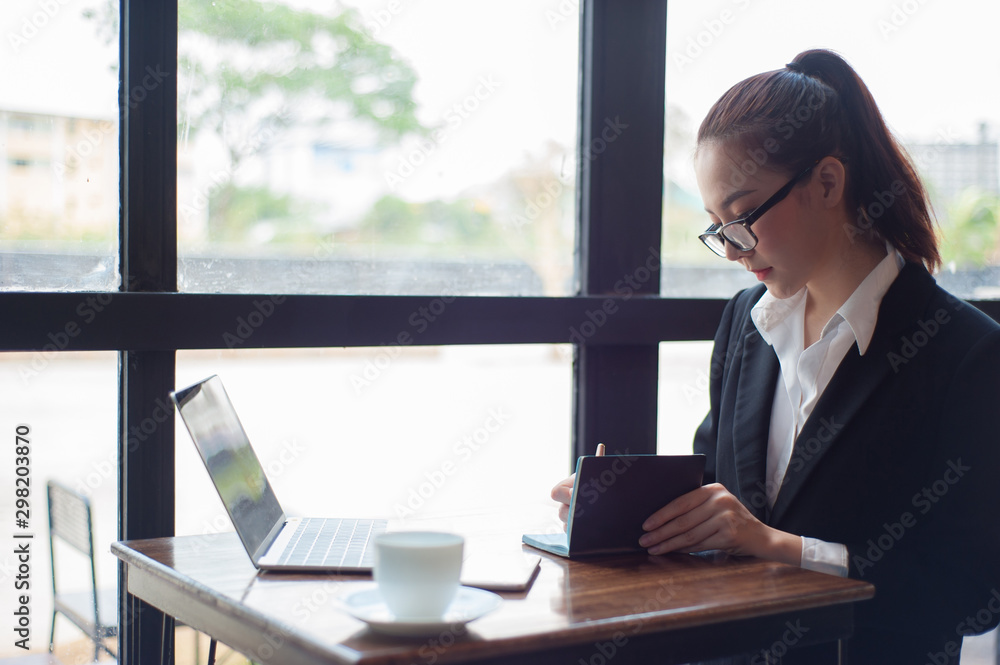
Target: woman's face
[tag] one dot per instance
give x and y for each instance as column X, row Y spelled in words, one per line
column 791, row 243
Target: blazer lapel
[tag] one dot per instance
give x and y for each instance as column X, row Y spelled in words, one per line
column 752, row 419
column 855, row 380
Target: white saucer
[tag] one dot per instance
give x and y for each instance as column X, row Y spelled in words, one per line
column 469, row 604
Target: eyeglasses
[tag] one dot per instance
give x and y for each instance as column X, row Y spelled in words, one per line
column 737, row 232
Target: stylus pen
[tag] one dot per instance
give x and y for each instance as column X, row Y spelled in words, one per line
column 600, row 450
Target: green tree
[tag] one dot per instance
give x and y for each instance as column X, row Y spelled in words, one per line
column 243, row 211
column 971, row 236
column 263, row 65
column 248, row 71
column 434, row 224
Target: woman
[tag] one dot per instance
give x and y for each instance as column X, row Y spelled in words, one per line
column 853, row 423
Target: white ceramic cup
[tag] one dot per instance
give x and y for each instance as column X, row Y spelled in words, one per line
column 418, row 572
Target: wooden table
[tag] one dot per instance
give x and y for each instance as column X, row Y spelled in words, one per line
column 629, row 608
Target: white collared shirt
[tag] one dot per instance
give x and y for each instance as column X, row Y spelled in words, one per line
column 805, row 373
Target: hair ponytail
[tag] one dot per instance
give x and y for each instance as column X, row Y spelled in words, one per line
column 818, row 106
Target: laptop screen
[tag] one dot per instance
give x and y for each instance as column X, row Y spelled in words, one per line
column 218, row 434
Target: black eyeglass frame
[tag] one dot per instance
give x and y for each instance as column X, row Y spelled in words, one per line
column 746, row 222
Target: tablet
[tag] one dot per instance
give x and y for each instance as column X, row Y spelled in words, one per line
column 613, row 495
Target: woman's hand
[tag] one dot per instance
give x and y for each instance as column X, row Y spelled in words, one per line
column 711, row 518
column 562, row 493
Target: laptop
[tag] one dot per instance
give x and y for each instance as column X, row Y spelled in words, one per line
column 273, row 540
column 613, row 495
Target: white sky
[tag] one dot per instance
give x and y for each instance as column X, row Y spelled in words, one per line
column 933, row 66
column 54, row 62
column 939, row 68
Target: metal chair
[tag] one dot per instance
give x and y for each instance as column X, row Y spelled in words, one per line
column 95, row 612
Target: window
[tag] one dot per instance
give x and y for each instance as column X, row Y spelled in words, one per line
column 59, row 147
column 683, row 394
column 355, row 152
column 462, row 421
column 64, row 403
column 955, row 146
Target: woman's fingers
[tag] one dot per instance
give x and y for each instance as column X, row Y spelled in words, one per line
column 563, row 491
column 707, row 518
column 679, row 506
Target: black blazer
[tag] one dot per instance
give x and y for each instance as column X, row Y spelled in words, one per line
column 899, row 461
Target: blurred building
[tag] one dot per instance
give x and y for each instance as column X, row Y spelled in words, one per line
column 950, row 168
column 56, row 171
column 59, row 177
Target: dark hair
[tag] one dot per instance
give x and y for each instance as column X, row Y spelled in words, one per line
column 816, row 106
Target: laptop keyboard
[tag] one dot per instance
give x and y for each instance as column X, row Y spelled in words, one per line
column 337, row 543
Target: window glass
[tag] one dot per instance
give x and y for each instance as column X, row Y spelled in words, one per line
column 59, row 145
column 682, row 395
column 940, row 109
column 64, row 406
column 404, row 433
column 376, row 147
